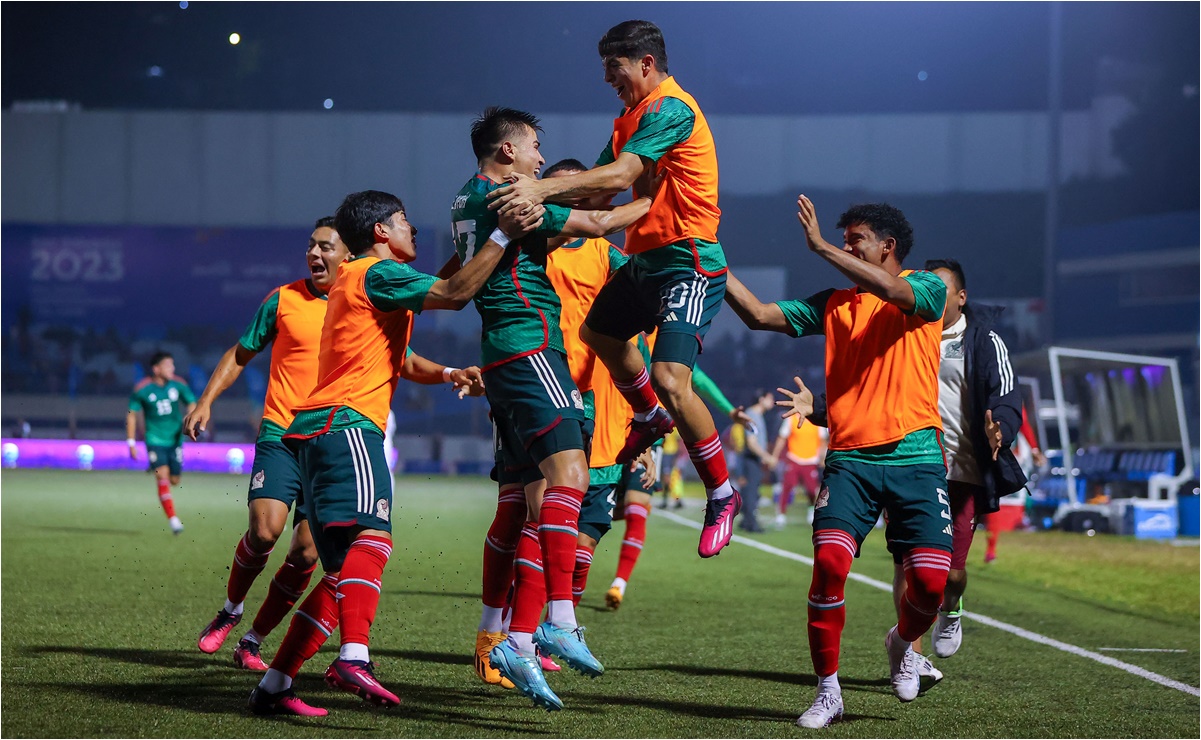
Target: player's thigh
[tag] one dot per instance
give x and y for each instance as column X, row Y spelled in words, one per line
column 275, row 474
column 158, row 460
column 847, row 499
column 963, row 520
column 918, row 505
column 540, row 409
column 688, row 302
column 622, row 309
column 175, row 463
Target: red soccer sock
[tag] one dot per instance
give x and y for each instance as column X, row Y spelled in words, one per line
column 833, row 551
column 558, row 532
column 631, row 545
column 529, row 582
column 287, row 586
column 164, row 497
column 991, row 552
column 246, row 567
column 709, row 460
column 926, row 572
column 500, row 546
column 579, row 578
column 359, row 587
column 313, row 622
column 638, row 392
column 785, row 500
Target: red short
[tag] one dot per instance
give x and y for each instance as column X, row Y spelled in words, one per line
column 809, row 476
column 963, row 520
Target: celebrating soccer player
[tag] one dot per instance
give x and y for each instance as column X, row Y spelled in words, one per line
column 158, row 397
column 882, row 354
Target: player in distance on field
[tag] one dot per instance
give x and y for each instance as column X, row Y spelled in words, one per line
column 159, row 397
column 882, row 355
column 337, row 436
column 537, row 409
column 676, row 275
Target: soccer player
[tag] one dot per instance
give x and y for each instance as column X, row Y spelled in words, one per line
column 538, row 411
column 159, row 398
column 804, row 451
column 882, row 354
column 337, row 436
column 676, row 275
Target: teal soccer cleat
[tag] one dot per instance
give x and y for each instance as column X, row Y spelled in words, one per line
column 526, row 675
column 568, row 645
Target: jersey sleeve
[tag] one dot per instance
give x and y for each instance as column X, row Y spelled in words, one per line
column 708, row 390
column 261, row 330
column 392, row 286
column 554, row 221
column 807, row 317
column 785, row 429
column 606, row 155
column 665, row 124
column 617, row 259
column 185, row 392
column 471, row 224
column 929, row 294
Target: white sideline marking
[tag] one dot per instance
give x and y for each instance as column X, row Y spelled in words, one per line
column 1003, row 626
column 1142, row 650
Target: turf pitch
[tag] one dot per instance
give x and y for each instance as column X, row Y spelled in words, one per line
column 101, row 607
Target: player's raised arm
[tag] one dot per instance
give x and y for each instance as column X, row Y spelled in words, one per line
column 468, row 381
column 458, row 290
column 753, row 312
column 608, row 179
column 227, row 371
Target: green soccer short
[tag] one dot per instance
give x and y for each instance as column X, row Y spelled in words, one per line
column 346, row 484
column 677, row 288
column 913, row 498
column 537, row 410
column 172, row 457
column 276, row 475
column 596, row 512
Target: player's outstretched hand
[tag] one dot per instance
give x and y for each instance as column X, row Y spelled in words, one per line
column 468, row 382
column 992, row 430
column 807, row 215
column 196, row 421
column 516, row 222
column 799, row 404
column 740, row 416
column 650, row 472
column 521, row 188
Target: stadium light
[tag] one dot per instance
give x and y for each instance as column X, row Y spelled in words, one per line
column 183, row 4
column 235, row 38
column 329, row 103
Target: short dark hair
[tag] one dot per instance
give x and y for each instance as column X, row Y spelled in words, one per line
column 564, row 165
column 325, row 222
column 634, row 40
column 159, row 356
column 495, row 125
column 356, row 218
column 885, row 221
column 951, row 266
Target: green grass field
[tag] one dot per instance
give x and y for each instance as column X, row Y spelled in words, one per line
column 101, row 607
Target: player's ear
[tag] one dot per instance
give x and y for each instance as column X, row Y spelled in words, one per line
column 507, row 149
column 648, row 63
column 380, row 232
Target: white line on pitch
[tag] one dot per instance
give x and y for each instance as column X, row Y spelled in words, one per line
column 1142, row 650
column 1003, row 626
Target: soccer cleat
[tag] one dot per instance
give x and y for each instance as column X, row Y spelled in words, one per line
column 525, row 674
column 948, row 632
column 176, row 525
column 827, row 708
column 928, row 676
column 568, row 645
column 613, row 598
column 781, row 521
column 719, row 514
column 484, row 642
column 246, row 655
column 358, row 677
column 548, row 665
column 285, row 702
column 989, row 557
column 213, row 636
column 902, row 664
column 643, row 434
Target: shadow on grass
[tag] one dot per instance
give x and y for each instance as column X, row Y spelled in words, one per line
column 449, row 594
column 189, row 659
column 422, row 656
column 796, row 679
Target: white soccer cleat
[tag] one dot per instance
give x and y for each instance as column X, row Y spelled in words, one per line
column 902, row 663
column 827, row 708
column 176, row 525
column 948, row 634
column 928, row 676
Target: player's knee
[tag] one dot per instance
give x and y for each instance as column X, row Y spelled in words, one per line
column 262, row 535
column 174, row 480
column 926, row 585
column 831, row 565
column 303, row 555
column 671, row 380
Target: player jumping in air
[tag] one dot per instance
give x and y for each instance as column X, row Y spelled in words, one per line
column 159, row 398
column 676, row 275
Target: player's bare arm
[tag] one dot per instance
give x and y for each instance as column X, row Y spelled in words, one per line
column 753, row 312
column 608, row 179
column 131, row 430
column 872, row 278
column 598, row 223
column 467, row 381
column 227, row 371
column 456, row 291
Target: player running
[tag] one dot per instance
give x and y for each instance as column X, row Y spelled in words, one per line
column 676, row 276
column 802, row 450
column 537, row 409
column 337, row 435
column 882, row 355
column 159, row 397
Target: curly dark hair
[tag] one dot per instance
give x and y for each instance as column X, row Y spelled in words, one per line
column 885, row 221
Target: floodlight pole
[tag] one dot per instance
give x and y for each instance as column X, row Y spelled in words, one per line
column 1054, row 134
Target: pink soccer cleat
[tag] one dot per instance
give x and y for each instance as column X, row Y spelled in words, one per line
column 358, row 677
column 719, row 516
column 643, row 434
column 285, row 702
column 213, row 636
column 246, row 655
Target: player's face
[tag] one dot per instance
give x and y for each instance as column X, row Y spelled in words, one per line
column 165, row 369
column 402, row 237
column 527, row 157
column 861, row 241
column 625, row 76
column 956, row 297
column 326, row 252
